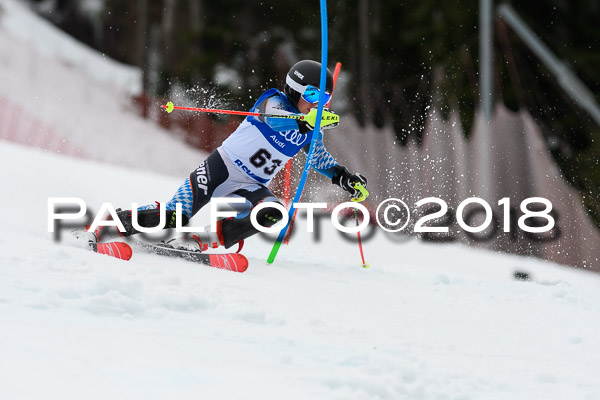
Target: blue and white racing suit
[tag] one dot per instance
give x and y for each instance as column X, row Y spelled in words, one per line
column 249, row 158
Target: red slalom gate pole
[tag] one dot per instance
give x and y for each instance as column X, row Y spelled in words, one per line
column 287, row 182
column 336, row 73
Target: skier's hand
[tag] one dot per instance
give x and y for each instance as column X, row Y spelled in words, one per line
column 329, row 119
column 347, row 181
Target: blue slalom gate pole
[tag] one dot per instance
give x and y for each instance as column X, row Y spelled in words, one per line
column 316, row 132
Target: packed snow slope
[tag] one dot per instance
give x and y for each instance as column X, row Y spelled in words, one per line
column 64, row 97
column 424, row 322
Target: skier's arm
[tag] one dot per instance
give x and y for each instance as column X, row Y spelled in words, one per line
column 326, row 165
column 347, row 181
column 322, row 162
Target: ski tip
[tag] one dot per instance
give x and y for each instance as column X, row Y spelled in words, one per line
column 128, row 252
column 231, row 262
column 119, row 250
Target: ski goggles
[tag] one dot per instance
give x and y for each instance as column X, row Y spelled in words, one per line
column 310, row 93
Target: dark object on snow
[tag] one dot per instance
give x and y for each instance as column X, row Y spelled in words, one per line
column 521, row 276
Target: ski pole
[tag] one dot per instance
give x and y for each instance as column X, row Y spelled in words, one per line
column 169, row 107
column 327, row 118
column 363, row 195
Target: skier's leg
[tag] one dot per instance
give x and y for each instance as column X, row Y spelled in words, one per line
column 193, row 194
column 148, row 216
column 232, row 230
column 240, row 227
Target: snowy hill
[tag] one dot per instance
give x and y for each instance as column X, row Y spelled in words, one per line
column 64, row 97
column 424, row 322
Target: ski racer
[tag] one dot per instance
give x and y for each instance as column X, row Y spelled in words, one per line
column 248, row 159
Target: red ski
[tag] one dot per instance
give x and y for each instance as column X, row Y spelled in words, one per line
column 229, row 261
column 118, row 250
